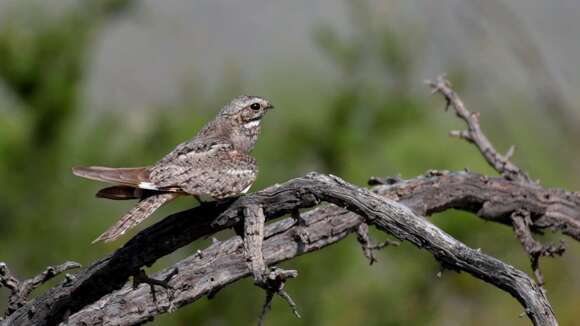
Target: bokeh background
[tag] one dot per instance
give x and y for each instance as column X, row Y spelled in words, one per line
column 120, row 82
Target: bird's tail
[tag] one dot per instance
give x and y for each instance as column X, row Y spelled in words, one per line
column 124, row 176
column 136, row 215
column 123, row 193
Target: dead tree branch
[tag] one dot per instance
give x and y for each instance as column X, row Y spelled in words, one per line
column 20, row 291
column 521, row 222
column 503, row 165
column 492, row 198
column 474, row 135
column 368, row 245
column 224, row 263
column 271, row 280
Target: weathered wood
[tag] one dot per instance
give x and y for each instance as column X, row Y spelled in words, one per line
column 225, row 262
column 473, row 134
column 254, row 220
column 492, row 198
column 20, row 291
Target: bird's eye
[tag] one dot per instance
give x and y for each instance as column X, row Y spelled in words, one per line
column 255, row 106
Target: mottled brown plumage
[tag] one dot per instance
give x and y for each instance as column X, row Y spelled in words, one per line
column 215, row 163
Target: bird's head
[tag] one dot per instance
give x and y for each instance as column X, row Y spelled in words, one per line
column 242, row 119
column 246, row 111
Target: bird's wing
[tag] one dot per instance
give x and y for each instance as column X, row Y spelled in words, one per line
column 206, row 166
column 136, row 215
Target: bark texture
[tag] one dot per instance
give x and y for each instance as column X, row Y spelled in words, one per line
column 226, row 262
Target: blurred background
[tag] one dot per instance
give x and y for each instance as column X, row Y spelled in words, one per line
column 121, row 82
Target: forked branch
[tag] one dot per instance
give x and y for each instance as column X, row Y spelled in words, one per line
column 20, row 291
column 474, row 134
column 226, row 262
column 504, row 166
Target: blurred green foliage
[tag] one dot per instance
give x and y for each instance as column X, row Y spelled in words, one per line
column 369, row 123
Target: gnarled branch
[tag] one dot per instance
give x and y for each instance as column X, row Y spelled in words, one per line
column 224, row 263
column 474, row 134
column 492, row 198
column 20, row 291
column 502, row 164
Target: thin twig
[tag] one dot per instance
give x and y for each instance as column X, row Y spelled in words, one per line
column 140, row 277
column 274, row 284
column 474, row 134
column 266, row 307
column 20, row 291
column 521, row 222
column 368, row 245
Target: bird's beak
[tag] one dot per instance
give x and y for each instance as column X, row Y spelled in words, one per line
column 269, row 106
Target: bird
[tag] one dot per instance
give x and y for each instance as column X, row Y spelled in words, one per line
column 216, row 163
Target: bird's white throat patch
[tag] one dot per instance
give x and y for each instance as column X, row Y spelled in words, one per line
column 252, row 124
